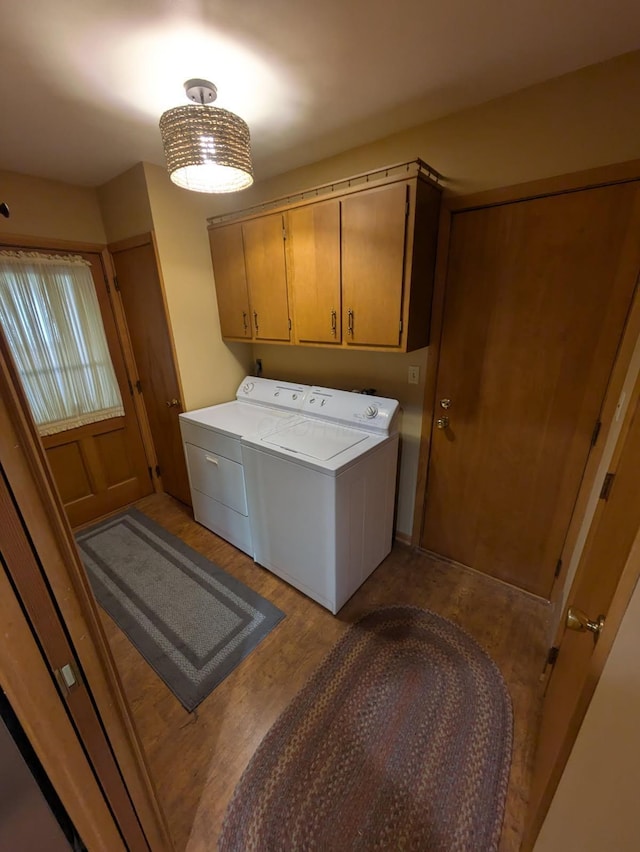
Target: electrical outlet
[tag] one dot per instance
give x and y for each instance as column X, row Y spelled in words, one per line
column 414, row 375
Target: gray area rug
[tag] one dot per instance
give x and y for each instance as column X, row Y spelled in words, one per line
column 189, row 619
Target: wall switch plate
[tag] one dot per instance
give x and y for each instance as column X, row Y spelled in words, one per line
column 414, row 375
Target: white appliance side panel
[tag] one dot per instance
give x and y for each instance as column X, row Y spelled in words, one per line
column 201, row 436
column 365, row 501
column 217, row 477
column 293, row 522
column 225, row 522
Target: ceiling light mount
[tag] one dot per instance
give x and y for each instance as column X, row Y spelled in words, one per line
column 200, row 91
column 208, row 149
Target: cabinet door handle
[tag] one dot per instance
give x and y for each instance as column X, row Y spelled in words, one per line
column 350, row 322
column 334, row 323
column 255, row 319
column 244, row 321
column 212, row 460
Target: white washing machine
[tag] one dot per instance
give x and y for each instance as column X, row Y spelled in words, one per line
column 211, row 440
column 321, row 493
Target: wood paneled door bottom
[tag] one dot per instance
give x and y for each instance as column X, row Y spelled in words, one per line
column 197, row 758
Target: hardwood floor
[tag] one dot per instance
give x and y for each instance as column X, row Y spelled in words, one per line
column 197, row 758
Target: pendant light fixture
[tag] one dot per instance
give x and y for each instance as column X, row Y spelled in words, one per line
column 207, row 148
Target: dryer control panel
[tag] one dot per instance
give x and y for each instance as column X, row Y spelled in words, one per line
column 370, row 413
column 272, row 392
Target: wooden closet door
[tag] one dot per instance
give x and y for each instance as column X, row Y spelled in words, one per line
column 227, row 255
column 142, row 295
column 536, row 299
column 373, row 254
column 313, row 265
column 267, row 277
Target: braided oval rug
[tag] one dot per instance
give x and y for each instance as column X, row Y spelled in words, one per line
column 401, row 740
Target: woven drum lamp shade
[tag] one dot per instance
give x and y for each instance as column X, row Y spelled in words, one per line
column 208, row 149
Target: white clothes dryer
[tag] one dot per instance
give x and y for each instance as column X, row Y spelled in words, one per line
column 211, row 440
column 321, row 492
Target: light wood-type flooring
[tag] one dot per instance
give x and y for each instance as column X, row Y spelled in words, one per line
column 197, row 758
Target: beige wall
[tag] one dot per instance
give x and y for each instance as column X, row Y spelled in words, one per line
column 596, row 804
column 124, row 205
column 210, row 370
column 46, row 208
column 582, row 120
column 578, row 121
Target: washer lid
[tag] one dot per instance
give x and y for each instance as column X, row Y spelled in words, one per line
column 315, row 439
column 238, row 418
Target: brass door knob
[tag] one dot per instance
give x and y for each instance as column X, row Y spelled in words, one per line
column 578, row 620
column 173, row 403
column 442, row 422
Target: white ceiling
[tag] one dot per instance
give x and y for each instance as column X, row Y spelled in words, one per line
column 83, row 83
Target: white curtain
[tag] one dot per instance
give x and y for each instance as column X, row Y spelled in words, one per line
column 51, row 318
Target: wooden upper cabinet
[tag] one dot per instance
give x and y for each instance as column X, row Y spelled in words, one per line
column 227, row 255
column 267, row 276
column 374, row 225
column 313, row 266
column 357, row 269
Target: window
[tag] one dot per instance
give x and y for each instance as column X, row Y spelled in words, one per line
column 50, row 315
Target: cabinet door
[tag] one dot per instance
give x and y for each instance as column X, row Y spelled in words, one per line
column 267, row 276
column 313, row 265
column 373, row 253
column 230, row 276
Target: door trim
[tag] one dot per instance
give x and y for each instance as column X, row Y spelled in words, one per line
column 556, row 185
column 619, row 603
column 28, row 685
column 36, row 499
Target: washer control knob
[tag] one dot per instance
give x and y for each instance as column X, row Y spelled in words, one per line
column 277, row 393
column 247, row 387
column 312, row 400
column 371, row 411
column 295, row 396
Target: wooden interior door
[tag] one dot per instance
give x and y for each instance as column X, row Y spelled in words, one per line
column 536, row 300
column 574, row 675
column 101, row 467
column 313, row 266
column 227, row 255
column 267, row 276
column 142, row 295
column 373, row 257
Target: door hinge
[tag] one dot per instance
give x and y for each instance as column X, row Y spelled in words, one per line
column 552, row 656
column 67, row 678
column 157, row 470
column 106, row 282
column 130, row 387
column 606, row 486
column 150, row 473
column 289, row 323
column 115, row 283
column 284, row 233
column 139, row 386
column 596, row 432
column 400, row 326
column 558, row 568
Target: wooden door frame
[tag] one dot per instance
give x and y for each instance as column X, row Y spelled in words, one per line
column 124, row 342
column 37, row 501
column 604, row 176
column 622, row 595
